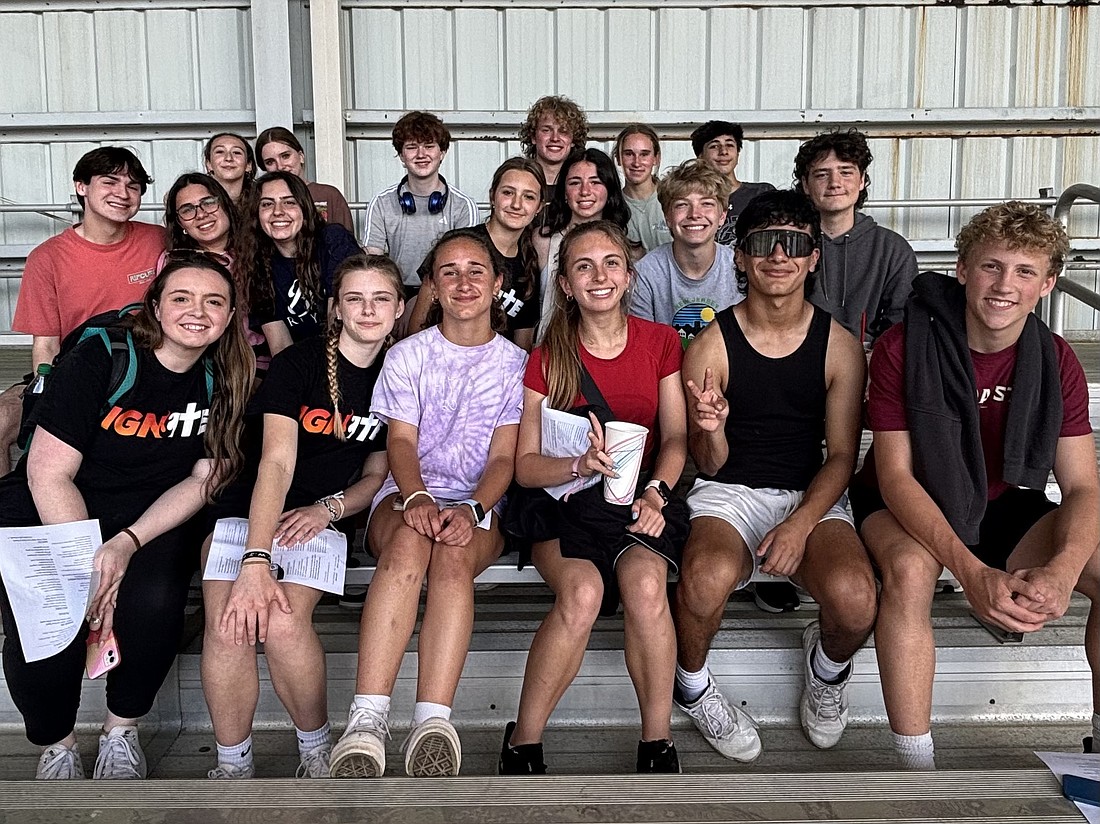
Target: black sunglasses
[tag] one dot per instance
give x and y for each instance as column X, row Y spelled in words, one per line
column 795, row 244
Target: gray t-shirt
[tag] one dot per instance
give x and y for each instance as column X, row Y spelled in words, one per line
column 663, row 293
column 407, row 239
column 647, row 222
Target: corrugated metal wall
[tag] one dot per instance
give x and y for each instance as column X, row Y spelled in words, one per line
column 962, row 101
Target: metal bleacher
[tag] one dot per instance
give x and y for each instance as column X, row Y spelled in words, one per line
column 994, row 704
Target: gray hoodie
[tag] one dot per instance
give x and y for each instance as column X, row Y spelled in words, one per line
column 864, row 278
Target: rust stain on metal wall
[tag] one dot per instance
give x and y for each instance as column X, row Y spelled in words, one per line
column 920, row 57
column 1076, row 57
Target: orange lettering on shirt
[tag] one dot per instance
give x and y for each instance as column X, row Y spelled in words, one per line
column 151, row 425
column 110, row 417
column 128, row 422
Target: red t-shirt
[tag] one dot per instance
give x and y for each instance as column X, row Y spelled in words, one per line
column 629, row 380
column 68, row 279
column 993, row 374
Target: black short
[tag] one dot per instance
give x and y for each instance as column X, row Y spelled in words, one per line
column 591, row 528
column 1007, row 519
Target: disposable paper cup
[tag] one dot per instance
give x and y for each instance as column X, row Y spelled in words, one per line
column 624, row 442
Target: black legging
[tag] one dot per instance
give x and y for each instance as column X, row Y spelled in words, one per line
column 148, row 625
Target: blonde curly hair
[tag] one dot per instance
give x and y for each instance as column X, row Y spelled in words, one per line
column 1020, row 226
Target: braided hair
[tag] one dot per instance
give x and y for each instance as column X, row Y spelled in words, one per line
column 356, row 263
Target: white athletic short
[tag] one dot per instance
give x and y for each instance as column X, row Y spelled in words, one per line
column 753, row 512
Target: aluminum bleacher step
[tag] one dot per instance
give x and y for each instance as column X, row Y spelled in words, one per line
column 965, row 796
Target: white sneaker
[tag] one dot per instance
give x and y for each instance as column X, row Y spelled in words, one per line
column 433, row 750
column 120, row 755
column 315, row 762
column 232, row 772
column 361, row 750
column 728, row 729
column 824, row 707
column 60, row 763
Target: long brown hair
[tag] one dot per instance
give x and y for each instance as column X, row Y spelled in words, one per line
column 528, row 258
column 233, row 362
column 497, row 319
column 255, row 252
column 356, row 263
column 561, row 360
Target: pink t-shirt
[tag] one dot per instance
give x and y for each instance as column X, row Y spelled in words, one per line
column 993, row 374
column 68, row 279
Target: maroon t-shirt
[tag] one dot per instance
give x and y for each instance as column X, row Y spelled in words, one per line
column 993, row 375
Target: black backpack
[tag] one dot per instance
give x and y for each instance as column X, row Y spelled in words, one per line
column 118, row 337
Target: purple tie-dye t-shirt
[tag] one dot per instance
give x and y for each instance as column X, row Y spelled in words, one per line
column 456, row 396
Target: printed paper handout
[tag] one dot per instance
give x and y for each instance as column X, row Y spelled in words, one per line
column 47, row 573
column 319, row 562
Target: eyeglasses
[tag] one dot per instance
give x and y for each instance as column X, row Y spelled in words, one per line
column 761, row 243
column 208, row 204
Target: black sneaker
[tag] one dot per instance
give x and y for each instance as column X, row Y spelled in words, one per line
column 526, row 759
column 776, row 596
column 658, row 757
column 1089, row 744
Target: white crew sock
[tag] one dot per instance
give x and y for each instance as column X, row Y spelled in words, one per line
column 237, row 755
column 824, row 667
column 423, row 710
column 312, row 740
column 379, row 703
column 916, row 752
column 692, row 684
column 1095, row 731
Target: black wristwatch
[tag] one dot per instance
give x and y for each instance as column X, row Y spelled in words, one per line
column 479, row 510
column 661, row 487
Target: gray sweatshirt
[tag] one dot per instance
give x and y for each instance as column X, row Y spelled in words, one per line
column 864, row 278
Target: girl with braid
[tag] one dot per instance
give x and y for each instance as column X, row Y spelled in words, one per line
column 323, row 459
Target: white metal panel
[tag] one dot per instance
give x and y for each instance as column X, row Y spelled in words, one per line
column 428, row 39
column 682, row 54
column 173, row 72
column 931, row 175
column 122, row 63
column 631, row 59
column 529, row 57
column 479, row 71
column 70, row 62
column 224, row 59
column 21, row 83
column 734, row 73
column 1082, row 33
column 835, row 58
column 934, row 49
column 24, row 178
column 1040, row 58
column 376, row 48
column 886, row 80
column 988, row 67
column 582, row 56
column 783, row 60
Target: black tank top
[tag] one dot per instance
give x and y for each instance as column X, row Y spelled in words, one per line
column 776, row 425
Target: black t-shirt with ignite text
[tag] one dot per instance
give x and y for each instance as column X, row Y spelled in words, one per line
column 134, row 452
column 296, row 387
column 303, row 317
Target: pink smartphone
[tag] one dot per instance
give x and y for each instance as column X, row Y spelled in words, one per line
column 103, row 655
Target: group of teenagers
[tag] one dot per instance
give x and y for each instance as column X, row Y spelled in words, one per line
column 289, row 374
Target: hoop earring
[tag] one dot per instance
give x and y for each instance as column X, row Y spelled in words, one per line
column 568, row 298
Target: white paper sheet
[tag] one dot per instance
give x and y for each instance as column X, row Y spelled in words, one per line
column 566, row 436
column 47, row 573
column 319, row 563
column 1086, row 765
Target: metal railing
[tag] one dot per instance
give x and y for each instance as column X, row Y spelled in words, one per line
column 1064, row 286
